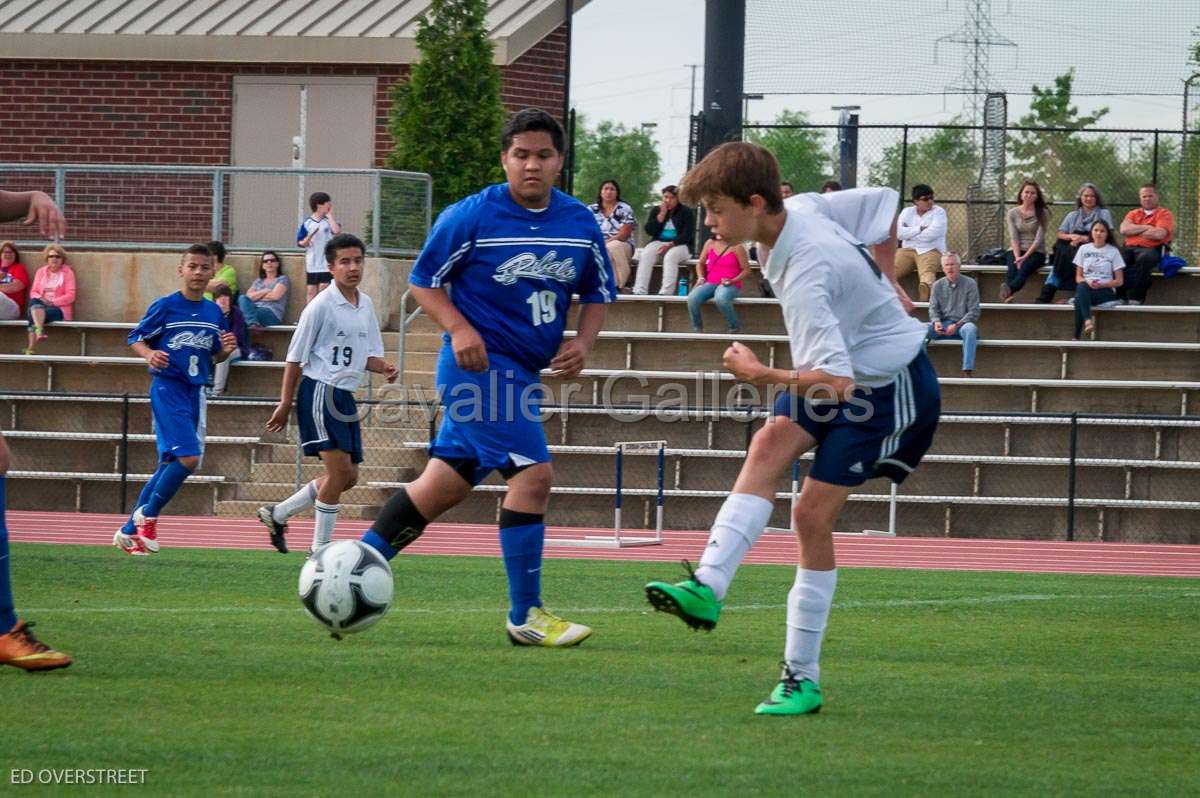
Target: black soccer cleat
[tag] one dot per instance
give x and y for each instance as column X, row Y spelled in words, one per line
column 276, row 529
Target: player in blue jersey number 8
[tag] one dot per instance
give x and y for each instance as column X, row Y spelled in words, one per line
column 515, row 253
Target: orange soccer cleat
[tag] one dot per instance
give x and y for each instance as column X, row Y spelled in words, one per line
column 19, row 648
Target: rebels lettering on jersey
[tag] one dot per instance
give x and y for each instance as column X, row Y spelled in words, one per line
column 513, row 270
column 189, row 332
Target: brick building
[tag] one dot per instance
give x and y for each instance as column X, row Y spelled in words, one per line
column 236, row 82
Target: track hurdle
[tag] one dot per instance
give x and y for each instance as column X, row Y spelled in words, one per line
column 618, row 539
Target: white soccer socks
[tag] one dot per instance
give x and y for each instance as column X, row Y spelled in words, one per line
column 326, row 518
column 298, row 502
column 739, row 524
column 808, row 606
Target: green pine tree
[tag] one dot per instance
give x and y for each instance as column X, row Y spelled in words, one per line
column 447, row 117
column 612, row 152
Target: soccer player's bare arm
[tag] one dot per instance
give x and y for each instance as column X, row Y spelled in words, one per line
column 37, row 208
column 572, row 355
column 466, row 343
column 380, row 366
column 291, row 378
column 229, row 345
column 157, row 358
column 745, row 365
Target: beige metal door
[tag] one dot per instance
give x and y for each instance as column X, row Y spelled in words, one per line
column 298, row 121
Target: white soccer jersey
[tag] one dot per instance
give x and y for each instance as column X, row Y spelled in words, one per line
column 333, row 339
column 842, row 314
column 314, row 254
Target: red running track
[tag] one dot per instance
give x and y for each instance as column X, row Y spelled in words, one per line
column 480, row 540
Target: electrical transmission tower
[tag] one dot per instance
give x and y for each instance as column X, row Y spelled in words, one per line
column 977, row 37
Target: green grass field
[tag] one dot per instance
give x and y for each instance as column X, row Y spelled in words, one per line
column 200, row 666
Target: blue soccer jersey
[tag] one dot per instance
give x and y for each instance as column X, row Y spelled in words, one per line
column 513, row 270
column 189, row 332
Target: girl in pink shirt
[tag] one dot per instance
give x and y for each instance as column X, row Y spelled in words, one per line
column 720, row 270
column 52, row 297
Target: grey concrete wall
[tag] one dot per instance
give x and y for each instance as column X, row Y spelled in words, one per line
column 118, row 286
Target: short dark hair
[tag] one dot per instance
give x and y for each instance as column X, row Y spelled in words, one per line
column 787, row 183
column 221, row 289
column 671, row 189
column 830, row 185
column 196, row 249
column 317, row 198
column 531, row 119
column 738, row 170
column 218, row 250
column 262, row 273
column 342, row 241
column 921, row 190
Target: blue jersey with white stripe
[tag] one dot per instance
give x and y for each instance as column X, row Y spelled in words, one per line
column 513, row 270
column 188, row 331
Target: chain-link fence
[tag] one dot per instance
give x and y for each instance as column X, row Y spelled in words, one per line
column 950, row 159
column 139, row 206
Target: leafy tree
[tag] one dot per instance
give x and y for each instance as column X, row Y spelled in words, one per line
column 945, row 159
column 1060, row 160
column 446, row 118
column 613, row 152
column 803, row 153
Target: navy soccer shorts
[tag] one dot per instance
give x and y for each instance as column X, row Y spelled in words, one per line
column 881, row 432
column 328, row 419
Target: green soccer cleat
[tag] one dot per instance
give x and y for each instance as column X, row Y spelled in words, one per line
column 792, row 696
column 691, row 600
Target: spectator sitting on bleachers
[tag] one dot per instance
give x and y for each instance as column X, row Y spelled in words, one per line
column 1027, row 225
column 236, row 324
column 786, row 189
column 1075, row 231
column 52, row 297
column 14, row 282
column 720, row 270
column 617, row 222
column 921, row 229
column 954, row 310
column 265, row 301
column 1099, row 273
column 671, row 227
column 1147, row 230
column 223, row 273
column 830, row 185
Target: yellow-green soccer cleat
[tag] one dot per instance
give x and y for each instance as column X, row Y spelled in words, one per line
column 542, row 628
column 792, row 696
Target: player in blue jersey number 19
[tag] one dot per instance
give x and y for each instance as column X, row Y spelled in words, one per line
column 515, row 253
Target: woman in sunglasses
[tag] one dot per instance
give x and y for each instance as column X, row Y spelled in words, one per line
column 265, row 301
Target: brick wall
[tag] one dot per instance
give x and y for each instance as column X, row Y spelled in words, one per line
column 172, row 113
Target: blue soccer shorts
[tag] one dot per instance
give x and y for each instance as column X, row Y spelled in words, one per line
column 180, row 418
column 328, row 420
column 881, row 432
column 490, row 419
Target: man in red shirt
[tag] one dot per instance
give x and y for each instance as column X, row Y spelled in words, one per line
column 1146, row 230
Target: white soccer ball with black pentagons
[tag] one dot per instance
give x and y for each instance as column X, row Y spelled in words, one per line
column 346, row 586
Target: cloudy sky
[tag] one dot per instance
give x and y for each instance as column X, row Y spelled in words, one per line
column 629, row 59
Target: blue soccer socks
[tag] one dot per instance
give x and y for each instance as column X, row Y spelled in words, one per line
column 522, row 537
column 166, row 486
column 8, row 616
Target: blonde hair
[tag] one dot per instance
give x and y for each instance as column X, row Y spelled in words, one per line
column 56, row 248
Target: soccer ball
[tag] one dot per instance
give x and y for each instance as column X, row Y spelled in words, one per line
column 346, row 586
